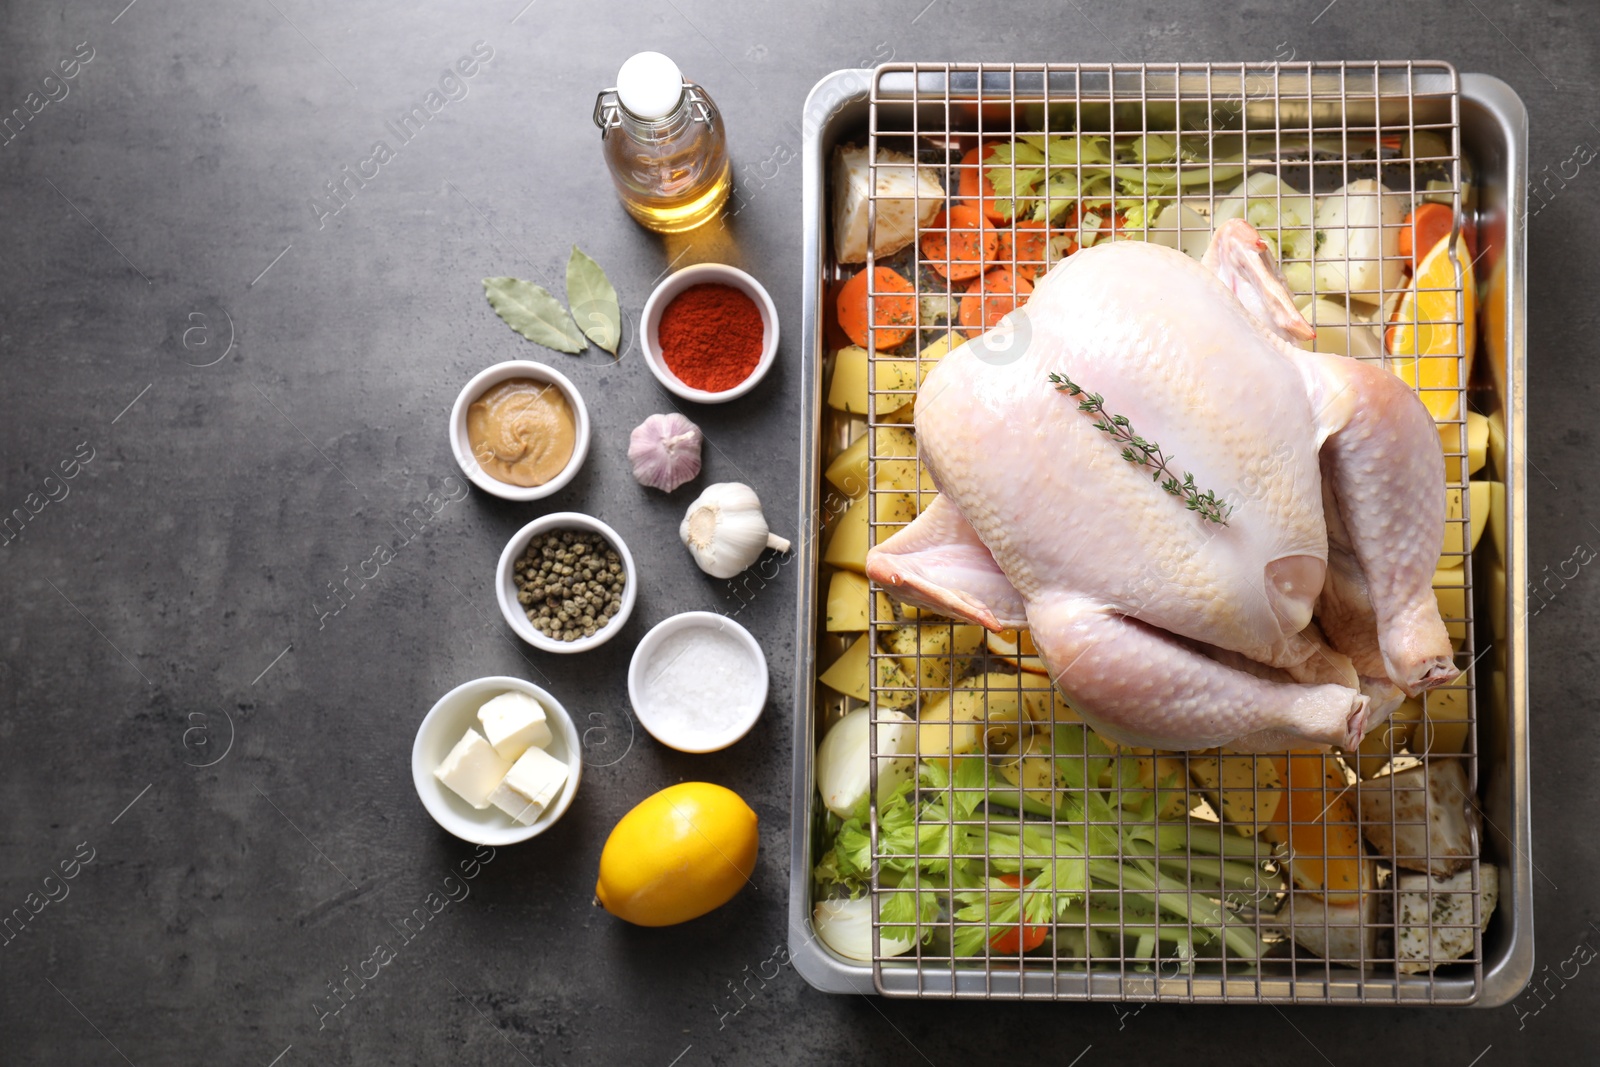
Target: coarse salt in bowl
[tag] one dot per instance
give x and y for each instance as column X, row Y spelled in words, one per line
column 706, row 274
column 698, row 681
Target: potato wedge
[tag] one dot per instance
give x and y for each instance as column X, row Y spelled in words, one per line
column 971, row 718
column 853, row 370
column 1016, row 648
column 1388, row 740
column 934, row 651
column 1461, row 529
column 847, row 545
column 1246, row 789
column 850, row 674
column 849, row 602
column 1476, row 451
column 1166, row 775
column 1450, row 590
column 848, row 471
column 1444, row 728
column 1421, row 817
column 1029, row 763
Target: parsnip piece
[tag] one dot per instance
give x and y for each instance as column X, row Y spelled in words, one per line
column 1434, row 921
column 907, row 196
column 1420, row 817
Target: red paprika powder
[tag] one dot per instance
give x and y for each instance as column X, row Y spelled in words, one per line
column 711, row 336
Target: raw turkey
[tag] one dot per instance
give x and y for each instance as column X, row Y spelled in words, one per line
column 1302, row 618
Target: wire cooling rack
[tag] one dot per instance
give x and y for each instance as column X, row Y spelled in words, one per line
column 1138, row 930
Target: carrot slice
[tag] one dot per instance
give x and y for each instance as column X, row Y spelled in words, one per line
column 960, row 244
column 1023, row 248
column 971, row 175
column 990, row 298
column 1010, row 940
column 894, row 302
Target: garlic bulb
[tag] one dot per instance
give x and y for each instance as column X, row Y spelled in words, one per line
column 665, row 451
column 725, row 531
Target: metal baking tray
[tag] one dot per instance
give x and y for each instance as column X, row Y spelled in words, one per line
column 1490, row 123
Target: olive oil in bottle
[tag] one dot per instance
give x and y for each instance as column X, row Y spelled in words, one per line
column 665, row 145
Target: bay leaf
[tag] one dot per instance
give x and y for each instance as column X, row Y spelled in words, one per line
column 534, row 313
column 594, row 301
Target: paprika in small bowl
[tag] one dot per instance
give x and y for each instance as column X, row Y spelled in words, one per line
column 710, row 333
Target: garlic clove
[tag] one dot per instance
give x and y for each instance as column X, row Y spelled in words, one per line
column 725, row 530
column 665, row 451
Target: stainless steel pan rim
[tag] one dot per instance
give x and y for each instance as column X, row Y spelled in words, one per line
column 1493, row 134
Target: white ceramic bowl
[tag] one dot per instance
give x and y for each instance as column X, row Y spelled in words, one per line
column 701, row 274
column 444, row 725
column 746, row 716
column 492, row 376
column 506, row 585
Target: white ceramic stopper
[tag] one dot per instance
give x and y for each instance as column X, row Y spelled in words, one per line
column 650, row 85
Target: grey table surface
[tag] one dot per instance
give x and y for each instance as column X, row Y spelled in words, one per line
column 260, row 388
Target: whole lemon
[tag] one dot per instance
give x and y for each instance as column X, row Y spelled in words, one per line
column 679, row 854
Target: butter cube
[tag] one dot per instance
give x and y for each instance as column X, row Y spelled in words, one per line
column 514, row 722
column 532, row 783
column 473, row 769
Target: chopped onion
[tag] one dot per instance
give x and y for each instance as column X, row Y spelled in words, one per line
column 846, row 927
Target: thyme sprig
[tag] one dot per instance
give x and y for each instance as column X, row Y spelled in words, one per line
column 1138, row 451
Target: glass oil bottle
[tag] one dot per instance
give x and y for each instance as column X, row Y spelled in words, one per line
column 665, row 145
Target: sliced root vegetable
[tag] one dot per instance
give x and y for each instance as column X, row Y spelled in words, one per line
column 991, row 298
column 972, row 175
column 894, row 308
column 1462, row 530
column 1444, row 728
column 1043, row 702
column 1318, row 811
column 1421, row 817
column 1024, row 248
column 959, row 243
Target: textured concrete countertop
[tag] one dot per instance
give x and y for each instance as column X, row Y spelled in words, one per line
column 260, row 386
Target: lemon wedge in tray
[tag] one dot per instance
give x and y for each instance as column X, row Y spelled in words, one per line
column 1433, row 334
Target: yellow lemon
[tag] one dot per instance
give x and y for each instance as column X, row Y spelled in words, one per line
column 677, row 855
column 1434, row 331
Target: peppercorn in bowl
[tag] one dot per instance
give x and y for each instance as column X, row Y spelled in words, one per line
column 709, row 333
column 566, row 582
